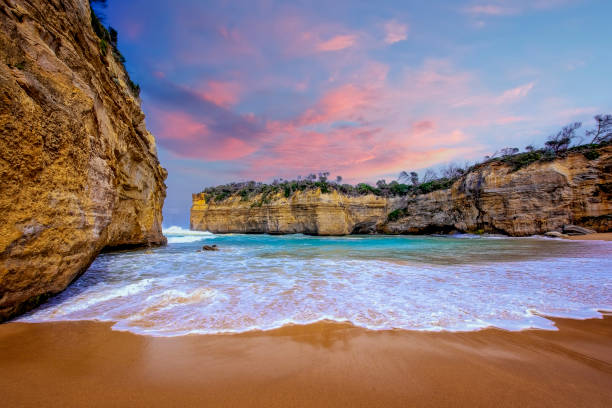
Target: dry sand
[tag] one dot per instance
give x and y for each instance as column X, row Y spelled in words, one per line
column 85, row 364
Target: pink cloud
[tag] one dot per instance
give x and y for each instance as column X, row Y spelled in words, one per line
column 423, row 127
column 188, row 137
column 491, row 10
column 512, row 7
column 341, row 103
column 222, row 93
column 337, row 43
column 505, row 120
column 395, row 32
column 516, row 93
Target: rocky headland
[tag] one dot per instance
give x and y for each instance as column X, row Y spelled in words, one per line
column 494, row 197
column 79, row 169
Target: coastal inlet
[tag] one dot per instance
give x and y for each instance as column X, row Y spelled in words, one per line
column 261, row 282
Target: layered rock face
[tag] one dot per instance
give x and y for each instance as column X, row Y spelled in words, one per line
column 308, row 212
column 79, row 169
column 533, row 200
column 536, row 199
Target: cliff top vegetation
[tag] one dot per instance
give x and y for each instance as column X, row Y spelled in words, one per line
column 109, row 42
column 558, row 145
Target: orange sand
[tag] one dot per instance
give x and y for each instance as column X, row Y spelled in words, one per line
column 77, row 364
column 602, row 236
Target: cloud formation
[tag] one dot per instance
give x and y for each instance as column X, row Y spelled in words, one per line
column 395, row 32
column 277, row 89
column 337, row 43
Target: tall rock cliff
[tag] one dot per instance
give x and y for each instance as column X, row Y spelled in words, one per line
column 536, row 199
column 308, row 212
column 78, row 168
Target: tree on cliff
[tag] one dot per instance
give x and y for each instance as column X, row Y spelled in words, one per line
column 412, row 177
column 603, row 130
column 562, row 140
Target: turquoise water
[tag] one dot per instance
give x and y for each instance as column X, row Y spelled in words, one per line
column 260, row 282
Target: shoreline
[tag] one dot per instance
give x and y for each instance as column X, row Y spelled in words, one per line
column 598, row 236
column 291, row 325
column 322, row 364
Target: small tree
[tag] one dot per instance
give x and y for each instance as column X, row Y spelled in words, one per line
column 411, row 177
column 113, row 36
column 414, row 178
column 452, row 171
column 381, row 184
column 508, row 151
column 562, row 140
column 339, row 179
column 603, row 130
column 529, row 148
column 430, row 175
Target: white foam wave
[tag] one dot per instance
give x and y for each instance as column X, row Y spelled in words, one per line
column 266, row 282
column 175, row 230
column 179, row 235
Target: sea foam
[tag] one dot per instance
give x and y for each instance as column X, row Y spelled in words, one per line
column 259, row 282
column 179, row 235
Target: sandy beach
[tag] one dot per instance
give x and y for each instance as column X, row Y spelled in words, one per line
column 601, row 236
column 76, row 364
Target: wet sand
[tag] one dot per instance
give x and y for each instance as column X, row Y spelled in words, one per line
column 600, row 236
column 77, row 364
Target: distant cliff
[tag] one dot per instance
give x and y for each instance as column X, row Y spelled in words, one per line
column 79, row 170
column 492, row 197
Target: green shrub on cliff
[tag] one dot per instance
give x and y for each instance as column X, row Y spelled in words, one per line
column 428, row 183
column 434, row 185
column 591, row 154
column 103, row 47
column 109, row 39
column 396, row 214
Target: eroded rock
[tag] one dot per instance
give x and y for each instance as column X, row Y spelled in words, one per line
column 576, row 230
column 79, row 171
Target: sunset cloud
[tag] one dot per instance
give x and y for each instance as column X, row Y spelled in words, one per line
column 222, row 93
column 491, row 10
column 337, row 43
column 516, row 93
column 339, row 88
column 395, row 32
column 512, row 7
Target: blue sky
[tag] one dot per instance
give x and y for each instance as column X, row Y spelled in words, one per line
column 241, row 90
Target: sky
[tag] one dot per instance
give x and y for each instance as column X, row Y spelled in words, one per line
column 265, row 89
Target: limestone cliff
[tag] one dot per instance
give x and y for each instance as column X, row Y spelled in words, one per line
column 79, row 169
column 493, row 198
column 308, row 212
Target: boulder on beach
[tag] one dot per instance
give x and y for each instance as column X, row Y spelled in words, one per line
column 555, row 234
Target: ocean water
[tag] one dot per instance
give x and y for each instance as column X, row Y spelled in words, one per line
column 261, row 282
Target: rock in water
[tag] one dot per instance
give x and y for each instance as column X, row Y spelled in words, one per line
column 576, row 230
column 210, row 248
column 79, row 170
